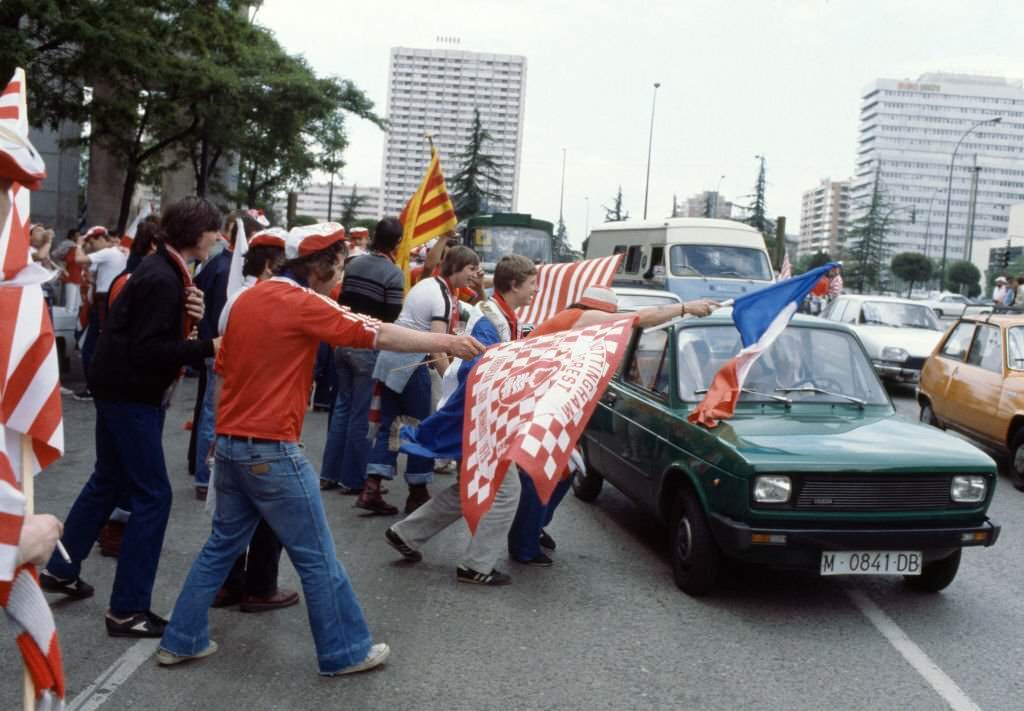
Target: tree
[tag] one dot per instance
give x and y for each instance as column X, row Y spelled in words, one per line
column 811, row 261
column 475, row 186
column 963, row 276
column 561, row 250
column 616, row 213
column 866, row 238
column 350, row 206
column 758, row 218
column 911, row 267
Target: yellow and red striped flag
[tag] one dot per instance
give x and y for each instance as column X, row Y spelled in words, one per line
column 428, row 214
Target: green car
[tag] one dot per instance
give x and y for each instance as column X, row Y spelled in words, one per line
column 815, row 471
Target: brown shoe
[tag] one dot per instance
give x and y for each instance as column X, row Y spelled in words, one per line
column 110, row 538
column 260, row 603
column 201, row 492
column 226, row 598
column 371, row 500
column 418, row 495
column 328, row 484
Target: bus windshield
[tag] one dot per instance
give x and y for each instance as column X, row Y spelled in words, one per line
column 719, row 261
column 494, row 242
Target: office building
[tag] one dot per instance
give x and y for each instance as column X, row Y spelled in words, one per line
column 708, row 203
column 435, row 91
column 315, row 199
column 824, row 217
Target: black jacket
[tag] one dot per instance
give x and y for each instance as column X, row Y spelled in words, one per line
column 142, row 349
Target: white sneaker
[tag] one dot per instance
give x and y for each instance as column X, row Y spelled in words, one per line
column 166, row 659
column 379, row 654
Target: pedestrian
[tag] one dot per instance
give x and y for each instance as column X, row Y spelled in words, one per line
column 1018, row 295
column 515, row 284
column 64, row 256
column 266, row 370
column 999, row 292
column 100, row 252
column 404, row 386
column 138, row 360
column 374, row 286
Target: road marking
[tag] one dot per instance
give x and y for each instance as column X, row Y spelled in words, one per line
column 915, row 656
column 100, row 691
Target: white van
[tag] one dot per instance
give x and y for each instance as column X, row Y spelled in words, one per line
column 694, row 257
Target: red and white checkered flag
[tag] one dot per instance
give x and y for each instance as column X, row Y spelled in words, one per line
column 527, row 403
column 561, row 285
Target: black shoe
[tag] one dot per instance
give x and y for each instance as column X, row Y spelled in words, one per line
column 77, row 588
column 540, row 561
column 546, row 541
column 83, row 395
column 402, row 547
column 140, row 624
column 493, row 578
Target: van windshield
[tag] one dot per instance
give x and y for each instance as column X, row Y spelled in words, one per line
column 719, row 261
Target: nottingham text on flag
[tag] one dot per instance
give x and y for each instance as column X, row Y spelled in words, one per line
column 527, row 403
column 428, row 214
column 561, row 285
column 760, row 318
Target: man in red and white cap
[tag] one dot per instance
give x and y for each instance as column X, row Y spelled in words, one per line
column 262, row 472
column 359, row 237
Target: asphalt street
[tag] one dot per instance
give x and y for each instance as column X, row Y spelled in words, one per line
column 605, row 628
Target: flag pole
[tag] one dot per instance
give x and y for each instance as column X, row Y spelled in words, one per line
column 28, row 490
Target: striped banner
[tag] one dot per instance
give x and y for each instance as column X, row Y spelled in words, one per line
column 561, row 285
column 428, row 214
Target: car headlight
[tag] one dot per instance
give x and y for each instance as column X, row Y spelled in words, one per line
column 968, row 489
column 894, row 353
column 772, row 489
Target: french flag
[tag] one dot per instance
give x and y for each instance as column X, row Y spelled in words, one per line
column 760, row 317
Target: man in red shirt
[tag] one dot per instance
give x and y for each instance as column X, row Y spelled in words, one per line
column 262, row 472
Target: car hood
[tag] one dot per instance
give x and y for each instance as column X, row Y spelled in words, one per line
column 804, row 441
column 918, row 342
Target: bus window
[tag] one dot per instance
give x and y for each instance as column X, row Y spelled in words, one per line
column 633, row 259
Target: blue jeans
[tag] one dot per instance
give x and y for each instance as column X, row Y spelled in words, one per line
column 531, row 517
column 346, row 449
column 274, row 481
column 205, row 426
column 129, row 461
column 92, row 337
column 414, row 402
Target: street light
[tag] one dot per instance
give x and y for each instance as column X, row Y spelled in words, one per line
column 650, row 144
column 949, row 195
column 718, row 189
column 586, row 221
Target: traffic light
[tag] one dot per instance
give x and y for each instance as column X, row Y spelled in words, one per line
column 1002, row 257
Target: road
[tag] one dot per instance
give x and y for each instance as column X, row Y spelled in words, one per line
column 605, row 628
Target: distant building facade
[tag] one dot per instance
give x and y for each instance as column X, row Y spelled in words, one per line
column 824, row 217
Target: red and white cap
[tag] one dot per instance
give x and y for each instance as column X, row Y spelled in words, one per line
column 309, row 239
column 273, row 237
column 601, row 298
column 97, row 231
column 358, row 233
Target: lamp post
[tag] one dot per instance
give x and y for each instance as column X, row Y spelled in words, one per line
column 949, row 195
column 718, row 189
column 586, row 220
column 650, row 145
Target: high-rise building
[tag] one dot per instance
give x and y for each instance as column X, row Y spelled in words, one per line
column 908, row 132
column 435, row 91
column 705, row 204
column 824, row 217
column 313, row 201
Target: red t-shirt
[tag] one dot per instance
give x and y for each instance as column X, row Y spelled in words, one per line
column 562, row 321
column 266, row 358
column 74, row 269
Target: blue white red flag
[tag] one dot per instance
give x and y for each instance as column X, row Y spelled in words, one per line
column 759, row 317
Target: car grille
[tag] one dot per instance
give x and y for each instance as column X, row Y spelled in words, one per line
column 914, row 363
column 873, row 494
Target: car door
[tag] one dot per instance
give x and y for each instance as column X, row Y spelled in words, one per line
column 977, row 388
column 944, row 369
column 639, row 417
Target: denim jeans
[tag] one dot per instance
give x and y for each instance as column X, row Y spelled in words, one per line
column 129, row 460
column 92, row 337
column 274, row 481
column 205, row 426
column 531, row 517
column 346, row 449
column 413, row 402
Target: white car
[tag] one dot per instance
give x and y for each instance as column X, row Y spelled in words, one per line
column 634, row 299
column 898, row 334
column 948, row 304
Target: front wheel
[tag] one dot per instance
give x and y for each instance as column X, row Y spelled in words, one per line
column 1016, row 468
column 587, row 485
column 928, row 415
column 696, row 558
column 937, row 575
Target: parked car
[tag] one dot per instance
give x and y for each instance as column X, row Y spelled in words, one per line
column 898, row 334
column 815, row 471
column 974, row 383
column 949, row 304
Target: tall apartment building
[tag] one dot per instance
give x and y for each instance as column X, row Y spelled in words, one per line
column 910, row 129
column 824, row 217
column 706, row 204
column 434, row 91
column 313, row 201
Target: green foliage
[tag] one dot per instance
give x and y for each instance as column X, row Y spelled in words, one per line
column 811, row 261
column 475, row 187
column 866, row 239
column 349, row 206
column 561, row 250
column 911, row 267
column 962, row 276
column 616, row 213
column 758, row 218
column 303, row 220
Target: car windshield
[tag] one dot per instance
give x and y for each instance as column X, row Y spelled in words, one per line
column 801, row 363
column 493, row 243
column 898, row 315
column 720, row 261
column 635, row 302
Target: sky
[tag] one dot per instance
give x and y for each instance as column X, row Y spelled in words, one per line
column 739, row 78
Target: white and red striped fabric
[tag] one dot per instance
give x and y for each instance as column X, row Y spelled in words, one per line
column 30, row 409
column 527, row 403
column 786, row 270
column 561, row 285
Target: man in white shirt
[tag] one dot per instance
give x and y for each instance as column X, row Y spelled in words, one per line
column 999, row 293
column 102, row 254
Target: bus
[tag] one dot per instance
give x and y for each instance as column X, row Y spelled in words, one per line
column 493, row 236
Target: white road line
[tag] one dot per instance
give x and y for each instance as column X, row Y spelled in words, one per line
column 100, row 691
column 915, row 656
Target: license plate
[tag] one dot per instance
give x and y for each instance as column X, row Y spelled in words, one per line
column 870, row 562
